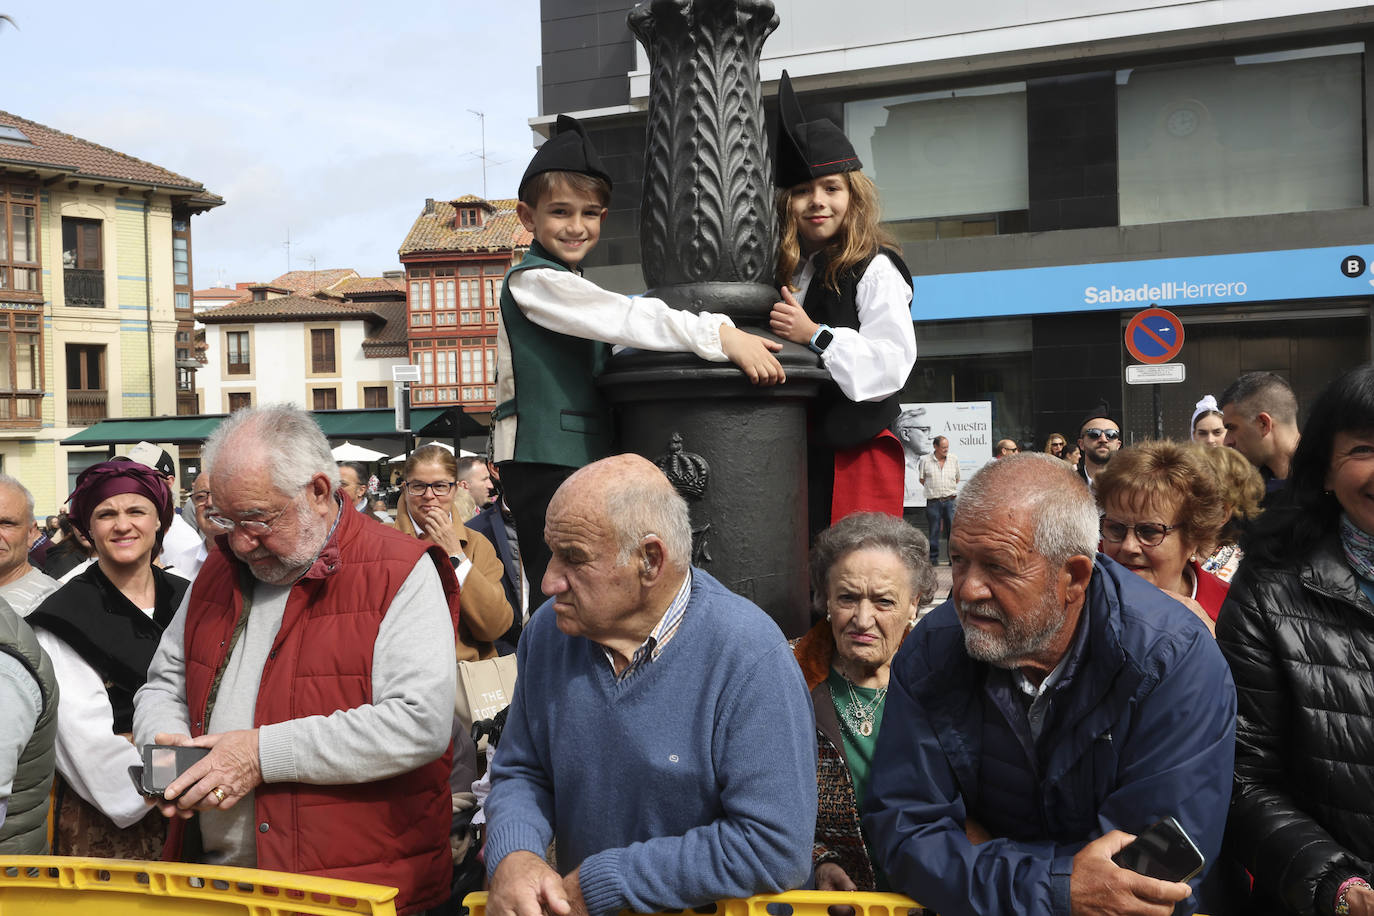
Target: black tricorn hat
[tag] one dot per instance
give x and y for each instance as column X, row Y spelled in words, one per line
column 568, row 150
column 807, row 150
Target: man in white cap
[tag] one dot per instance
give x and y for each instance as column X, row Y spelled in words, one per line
column 182, row 544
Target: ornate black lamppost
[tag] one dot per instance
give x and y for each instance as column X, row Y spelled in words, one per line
column 737, row 452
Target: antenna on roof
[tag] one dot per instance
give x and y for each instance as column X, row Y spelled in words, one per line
column 483, row 155
column 287, row 246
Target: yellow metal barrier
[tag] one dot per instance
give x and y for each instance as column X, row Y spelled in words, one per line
column 792, row 903
column 114, row 887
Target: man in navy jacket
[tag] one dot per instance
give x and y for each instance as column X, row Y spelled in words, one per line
column 1055, row 706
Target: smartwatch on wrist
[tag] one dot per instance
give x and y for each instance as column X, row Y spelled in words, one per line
column 821, row 339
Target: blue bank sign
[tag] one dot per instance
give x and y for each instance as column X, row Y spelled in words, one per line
column 1260, row 276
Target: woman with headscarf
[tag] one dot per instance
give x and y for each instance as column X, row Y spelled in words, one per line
column 101, row 630
column 1208, row 425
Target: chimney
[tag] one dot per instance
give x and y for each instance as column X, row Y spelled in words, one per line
column 429, row 205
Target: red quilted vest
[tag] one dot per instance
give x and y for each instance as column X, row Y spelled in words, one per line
column 392, row 832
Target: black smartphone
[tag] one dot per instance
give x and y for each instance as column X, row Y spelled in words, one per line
column 1163, row 850
column 163, row 763
column 136, row 774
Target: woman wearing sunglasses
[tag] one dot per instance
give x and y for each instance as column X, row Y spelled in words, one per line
column 1161, row 507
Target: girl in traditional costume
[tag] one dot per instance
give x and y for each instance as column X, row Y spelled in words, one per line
column 846, row 294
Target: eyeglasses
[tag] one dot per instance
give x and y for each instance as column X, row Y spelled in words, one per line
column 418, row 487
column 1149, row 534
column 254, row 526
column 200, row 497
column 1111, row 435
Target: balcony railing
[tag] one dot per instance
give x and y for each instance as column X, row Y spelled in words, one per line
column 20, row 409
column 85, row 407
column 84, row 287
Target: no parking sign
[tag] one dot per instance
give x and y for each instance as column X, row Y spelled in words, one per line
column 1154, row 335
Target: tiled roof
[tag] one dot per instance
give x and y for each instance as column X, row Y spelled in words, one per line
column 389, row 339
column 311, row 281
column 288, row 308
column 52, row 149
column 435, row 231
column 219, row 292
column 356, row 285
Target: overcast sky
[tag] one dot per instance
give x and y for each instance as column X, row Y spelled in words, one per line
column 333, row 120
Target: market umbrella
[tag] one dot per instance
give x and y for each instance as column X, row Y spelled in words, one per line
column 462, row 453
column 350, row 452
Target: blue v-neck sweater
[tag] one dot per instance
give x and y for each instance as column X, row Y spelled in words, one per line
column 691, row 780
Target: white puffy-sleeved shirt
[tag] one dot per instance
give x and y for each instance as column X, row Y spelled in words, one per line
column 872, row 362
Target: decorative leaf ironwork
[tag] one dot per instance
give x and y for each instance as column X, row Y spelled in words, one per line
column 707, row 211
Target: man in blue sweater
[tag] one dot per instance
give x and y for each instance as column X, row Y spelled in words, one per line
column 1058, row 704
column 660, row 732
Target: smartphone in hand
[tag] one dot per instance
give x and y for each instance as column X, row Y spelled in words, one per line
column 163, row 763
column 1163, row 850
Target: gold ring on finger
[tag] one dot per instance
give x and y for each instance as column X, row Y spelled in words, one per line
column 219, row 793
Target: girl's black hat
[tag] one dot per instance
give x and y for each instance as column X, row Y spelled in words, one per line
column 568, row 150
column 807, row 150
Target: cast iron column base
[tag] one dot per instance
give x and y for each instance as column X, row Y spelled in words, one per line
column 737, row 453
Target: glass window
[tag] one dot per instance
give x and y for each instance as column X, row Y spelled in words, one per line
column 491, row 364
column 427, row 368
column 85, row 367
column 18, row 238
column 1268, row 133
column 181, row 262
column 376, row 396
column 237, row 360
column 239, row 400
column 324, row 399
column 944, row 153
column 80, row 243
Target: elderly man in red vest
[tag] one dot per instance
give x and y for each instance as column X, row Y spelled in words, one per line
column 314, row 657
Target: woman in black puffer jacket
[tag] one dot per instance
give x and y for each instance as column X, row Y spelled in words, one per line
column 1298, row 631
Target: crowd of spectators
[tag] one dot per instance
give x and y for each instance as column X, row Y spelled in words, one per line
column 1129, row 639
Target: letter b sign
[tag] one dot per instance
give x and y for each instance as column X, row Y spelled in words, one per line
column 1352, row 265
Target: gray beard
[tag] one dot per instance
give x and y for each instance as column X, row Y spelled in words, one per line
column 1022, row 638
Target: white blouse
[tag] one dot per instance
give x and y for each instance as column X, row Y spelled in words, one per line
column 872, row 362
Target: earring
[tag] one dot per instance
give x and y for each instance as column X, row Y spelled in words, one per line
column 827, row 615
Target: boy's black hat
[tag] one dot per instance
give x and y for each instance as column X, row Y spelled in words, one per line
column 568, row 150
column 807, row 150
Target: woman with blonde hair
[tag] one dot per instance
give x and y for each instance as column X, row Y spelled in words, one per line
column 1054, row 445
column 846, row 295
column 432, row 508
column 1242, row 489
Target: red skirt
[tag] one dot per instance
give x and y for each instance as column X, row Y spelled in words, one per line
column 869, row 478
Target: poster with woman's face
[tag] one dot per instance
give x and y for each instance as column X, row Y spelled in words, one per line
column 967, row 425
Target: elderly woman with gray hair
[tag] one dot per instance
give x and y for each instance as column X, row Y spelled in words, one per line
column 870, row 573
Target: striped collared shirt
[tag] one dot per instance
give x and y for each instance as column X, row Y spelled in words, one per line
column 651, row 648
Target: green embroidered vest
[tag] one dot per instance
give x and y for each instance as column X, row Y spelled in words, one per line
column 562, row 418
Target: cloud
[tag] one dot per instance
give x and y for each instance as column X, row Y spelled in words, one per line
column 333, row 120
